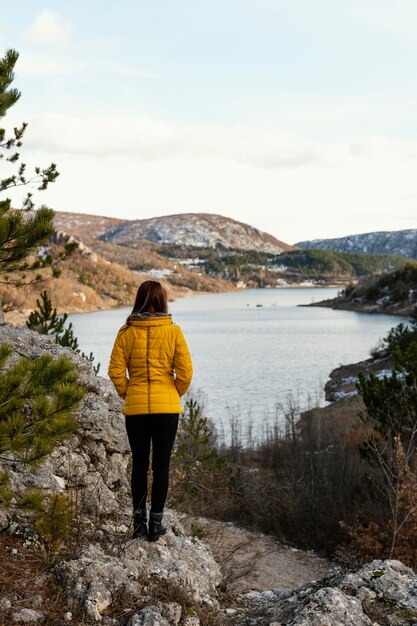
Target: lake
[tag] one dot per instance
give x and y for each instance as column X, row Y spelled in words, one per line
column 254, row 349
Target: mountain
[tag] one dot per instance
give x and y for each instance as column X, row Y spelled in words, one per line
column 206, row 252
column 83, row 226
column 398, row 242
column 202, row 230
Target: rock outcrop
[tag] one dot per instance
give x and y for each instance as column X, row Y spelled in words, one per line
column 119, row 564
column 378, row 594
column 93, row 465
column 343, row 380
column 93, row 461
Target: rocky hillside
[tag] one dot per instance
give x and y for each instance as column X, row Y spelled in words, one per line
column 87, row 282
column 391, row 292
column 202, row 230
column 397, row 242
column 101, row 275
column 104, row 576
column 84, row 227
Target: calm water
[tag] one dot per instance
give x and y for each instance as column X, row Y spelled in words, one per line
column 253, row 348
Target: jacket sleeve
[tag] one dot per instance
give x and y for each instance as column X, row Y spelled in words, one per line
column 118, row 366
column 182, row 364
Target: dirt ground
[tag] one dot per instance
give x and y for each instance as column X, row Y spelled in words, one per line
column 251, row 560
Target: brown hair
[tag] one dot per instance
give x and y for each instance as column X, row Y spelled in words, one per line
column 151, row 297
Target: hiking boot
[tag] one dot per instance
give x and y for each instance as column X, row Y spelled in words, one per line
column 140, row 528
column 156, row 528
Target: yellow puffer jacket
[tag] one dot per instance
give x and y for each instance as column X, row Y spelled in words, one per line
column 155, row 354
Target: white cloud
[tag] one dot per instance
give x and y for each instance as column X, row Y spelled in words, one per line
column 49, row 29
column 261, row 147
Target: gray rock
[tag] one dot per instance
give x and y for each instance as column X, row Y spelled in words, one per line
column 150, row 616
column 379, row 588
column 171, row 611
column 27, row 616
column 5, row 604
column 330, row 607
column 93, row 579
column 390, row 580
column 179, row 559
column 97, row 599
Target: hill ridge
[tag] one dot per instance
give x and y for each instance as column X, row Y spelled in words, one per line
column 110, row 229
column 208, row 230
column 397, row 242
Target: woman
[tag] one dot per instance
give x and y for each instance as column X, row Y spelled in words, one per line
column 154, row 352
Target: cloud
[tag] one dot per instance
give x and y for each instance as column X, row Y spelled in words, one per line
column 49, row 29
column 122, row 136
column 152, row 140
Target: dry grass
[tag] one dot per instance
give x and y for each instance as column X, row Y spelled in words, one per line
column 163, row 591
column 25, row 579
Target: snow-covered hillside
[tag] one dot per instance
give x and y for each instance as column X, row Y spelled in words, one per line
column 399, row 242
column 195, row 229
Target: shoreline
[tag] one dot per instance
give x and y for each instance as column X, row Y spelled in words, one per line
column 335, row 305
column 18, row 317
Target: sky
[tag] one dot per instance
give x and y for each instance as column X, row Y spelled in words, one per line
column 298, row 117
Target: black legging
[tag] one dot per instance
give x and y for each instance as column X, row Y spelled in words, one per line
column 160, row 429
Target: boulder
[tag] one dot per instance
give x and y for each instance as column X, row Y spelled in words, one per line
column 149, row 616
column 93, row 462
column 381, row 592
column 97, row 575
column 390, row 581
column 27, row 616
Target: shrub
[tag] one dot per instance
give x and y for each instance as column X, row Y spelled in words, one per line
column 38, row 401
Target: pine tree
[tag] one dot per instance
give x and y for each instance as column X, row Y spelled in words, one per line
column 22, row 230
column 197, row 468
column 45, row 320
column 38, row 399
column 38, row 402
column 390, row 420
